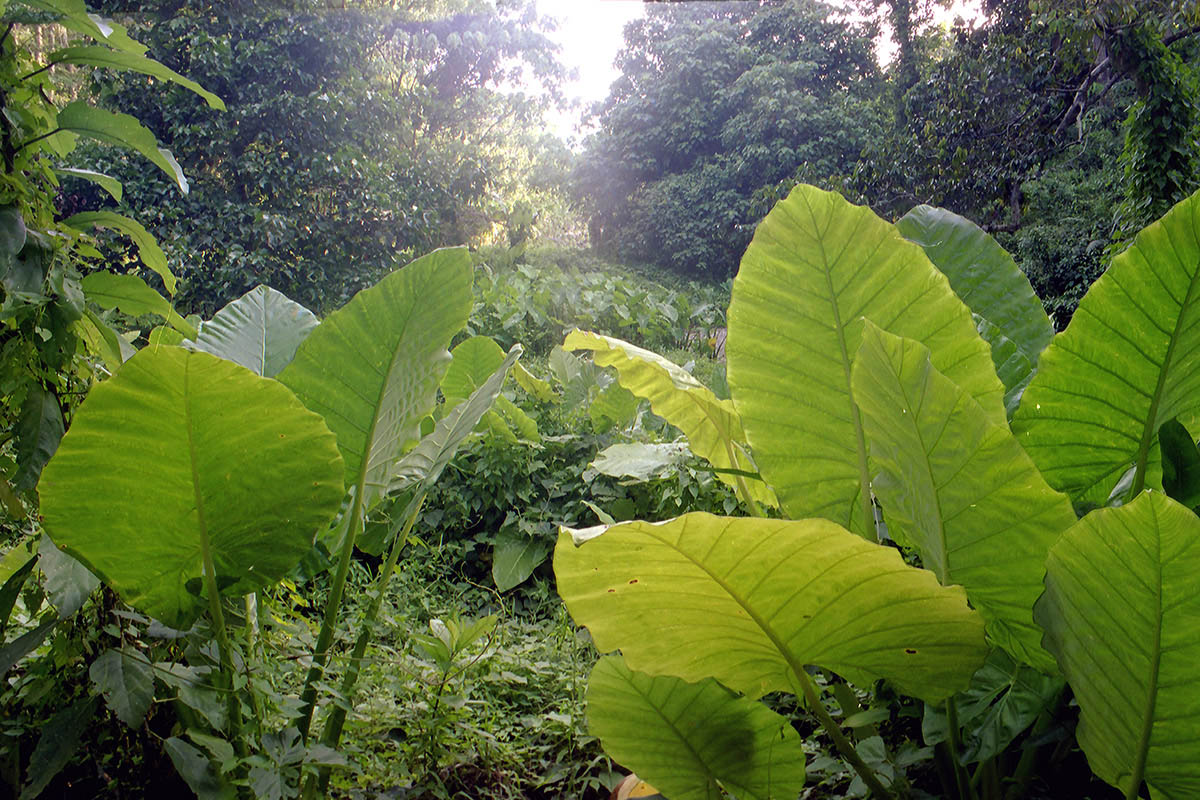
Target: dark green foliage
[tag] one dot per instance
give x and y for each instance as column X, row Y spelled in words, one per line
column 717, row 101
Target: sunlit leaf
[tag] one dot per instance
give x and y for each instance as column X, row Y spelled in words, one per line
column 260, row 330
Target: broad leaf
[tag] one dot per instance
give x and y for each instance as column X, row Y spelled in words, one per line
column 38, row 431
column 95, row 56
column 956, row 486
column 127, row 683
column 130, row 295
column 12, row 237
column 639, row 460
column 712, row 426
column 1128, row 362
column 690, row 740
column 68, row 583
column 987, row 279
column 1120, row 610
column 12, row 652
column 198, row 771
column 74, row 16
column 372, row 368
column 753, row 601
column 1004, row 699
column 200, row 423
column 21, row 559
column 815, row 267
column 260, row 330
column 535, row 386
column 122, row 130
column 515, row 556
column 149, row 251
column 57, row 745
column 475, row 360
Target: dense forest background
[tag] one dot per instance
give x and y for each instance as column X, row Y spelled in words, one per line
column 357, row 137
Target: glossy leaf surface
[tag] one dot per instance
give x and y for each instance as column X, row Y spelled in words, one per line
column 260, row 330
column 1120, row 612
column 815, row 267
column 712, row 425
column 956, row 486
column 691, row 739
column 372, row 368
column 1128, row 362
column 751, row 601
column 238, row 464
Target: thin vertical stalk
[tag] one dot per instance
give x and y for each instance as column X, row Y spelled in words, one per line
column 234, row 705
column 954, row 742
column 743, row 491
column 332, row 732
column 844, row 745
column 333, row 605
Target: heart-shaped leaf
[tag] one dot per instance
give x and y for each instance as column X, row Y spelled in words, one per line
column 260, row 330
column 179, row 453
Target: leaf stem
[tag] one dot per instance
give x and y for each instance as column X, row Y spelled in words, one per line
column 332, row 732
column 333, row 604
column 844, row 746
column 743, row 490
column 954, row 743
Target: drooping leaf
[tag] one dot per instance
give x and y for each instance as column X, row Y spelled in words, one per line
column 987, row 279
column 690, row 740
column 127, row 683
column 12, row 237
column 148, row 250
column 1128, row 362
column 1120, row 610
column 199, row 422
column 425, row 462
column 752, row 601
column 372, row 368
column 194, row 691
column 815, row 267
column 198, row 771
column 1004, row 699
column 639, row 460
column 535, row 386
column 12, row 584
column 103, row 341
column 614, row 406
column 74, row 16
column 23, row 645
column 68, row 583
column 1180, row 464
column 56, row 745
column 108, row 183
column 95, row 56
column 260, row 330
column 38, row 430
column 713, row 427
column 958, row 487
column 121, row 130
column 514, row 558
column 130, row 295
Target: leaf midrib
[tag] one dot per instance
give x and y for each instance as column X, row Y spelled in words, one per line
column 1150, row 429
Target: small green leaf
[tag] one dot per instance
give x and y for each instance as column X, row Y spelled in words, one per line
column 10, row 590
column 515, row 557
column 127, row 683
column 68, row 583
column 197, row 771
column 151, row 254
column 12, row 237
column 38, row 431
column 122, row 130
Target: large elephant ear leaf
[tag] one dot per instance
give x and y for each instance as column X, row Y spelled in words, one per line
column 1120, row 609
column 956, row 486
column 260, row 330
column 711, row 425
column 690, row 740
column 1128, row 362
column 987, row 279
column 372, row 368
column 754, row 601
column 238, row 467
column 816, row 266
